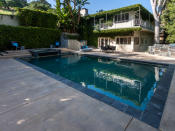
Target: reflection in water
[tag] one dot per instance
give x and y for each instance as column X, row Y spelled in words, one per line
column 131, row 83
column 116, row 79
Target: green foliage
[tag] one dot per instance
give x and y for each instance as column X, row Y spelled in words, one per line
column 37, row 18
column 145, row 14
column 1, row 4
column 86, row 32
column 52, row 10
column 69, row 14
column 30, row 37
column 75, row 37
column 13, row 3
column 168, row 20
column 7, row 12
column 39, row 5
column 120, row 32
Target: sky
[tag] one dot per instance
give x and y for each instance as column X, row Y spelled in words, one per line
column 96, row 5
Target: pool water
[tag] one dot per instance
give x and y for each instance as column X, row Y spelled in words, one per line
column 131, row 83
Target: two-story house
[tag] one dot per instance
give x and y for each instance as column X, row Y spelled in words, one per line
column 129, row 28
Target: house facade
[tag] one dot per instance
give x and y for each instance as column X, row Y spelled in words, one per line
column 129, row 28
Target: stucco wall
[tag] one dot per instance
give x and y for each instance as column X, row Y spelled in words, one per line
column 9, row 20
column 69, row 43
column 146, row 39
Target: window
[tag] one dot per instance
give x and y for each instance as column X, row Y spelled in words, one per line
column 127, row 16
column 124, row 17
column 102, row 42
column 129, row 40
column 106, row 42
column 101, row 21
column 116, row 18
column 119, row 18
column 123, row 40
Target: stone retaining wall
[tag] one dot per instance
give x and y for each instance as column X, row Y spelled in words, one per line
column 163, row 50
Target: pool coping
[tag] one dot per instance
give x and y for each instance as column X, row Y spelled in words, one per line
column 156, row 104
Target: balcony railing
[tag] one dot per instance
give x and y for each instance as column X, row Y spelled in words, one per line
column 143, row 24
column 137, row 22
column 101, row 26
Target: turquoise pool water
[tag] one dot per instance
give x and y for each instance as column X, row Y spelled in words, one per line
column 130, row 83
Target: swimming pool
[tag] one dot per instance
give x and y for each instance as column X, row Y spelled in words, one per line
column 127, row 82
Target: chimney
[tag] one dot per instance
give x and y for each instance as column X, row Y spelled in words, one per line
column 84, row 12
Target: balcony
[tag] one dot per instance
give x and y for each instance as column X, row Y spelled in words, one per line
column 103, row 26
column 134, row 23
column 144, row 24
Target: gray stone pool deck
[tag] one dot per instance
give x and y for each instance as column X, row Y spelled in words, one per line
column 31, row 100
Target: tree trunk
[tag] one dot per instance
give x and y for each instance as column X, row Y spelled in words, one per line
column 79, row 15
column 157, row 31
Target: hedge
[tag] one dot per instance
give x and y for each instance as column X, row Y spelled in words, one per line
column 75, row 37
column 36, row 18
column 30, row 37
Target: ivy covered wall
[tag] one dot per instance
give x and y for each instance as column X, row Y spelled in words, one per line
column 37, row 18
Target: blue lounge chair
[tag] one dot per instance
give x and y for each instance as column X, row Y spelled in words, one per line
column 57, row 44
column 85, row 48
column 15, row 44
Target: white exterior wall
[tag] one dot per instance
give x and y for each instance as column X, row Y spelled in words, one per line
column 9, row 20
column 146, row 39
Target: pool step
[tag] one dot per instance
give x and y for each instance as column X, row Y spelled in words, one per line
column 15, row 53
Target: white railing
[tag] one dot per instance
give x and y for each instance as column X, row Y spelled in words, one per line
column 144, row 24
column 137, row 22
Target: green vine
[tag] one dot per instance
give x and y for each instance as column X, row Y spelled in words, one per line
column 113, row 32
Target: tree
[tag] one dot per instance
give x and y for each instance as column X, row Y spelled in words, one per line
column 157, row 7
column 168, row 20
column 39, row 5
column 69, row 14
column 15, row 3
column 3, row 4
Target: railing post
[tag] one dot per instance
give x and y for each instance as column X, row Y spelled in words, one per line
column 139, row 17
column 94, row 21
column 106, row 21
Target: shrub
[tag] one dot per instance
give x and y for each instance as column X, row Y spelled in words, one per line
column 75, row 37
column 37, row 18
column 30, row 37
